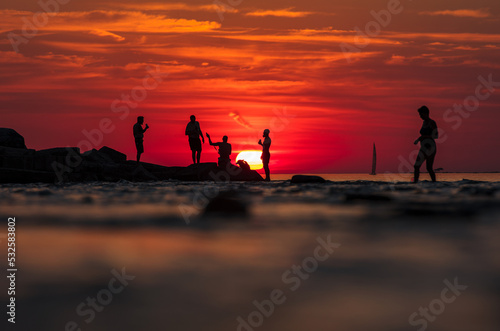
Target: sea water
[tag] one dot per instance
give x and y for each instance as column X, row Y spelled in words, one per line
column 398, row 246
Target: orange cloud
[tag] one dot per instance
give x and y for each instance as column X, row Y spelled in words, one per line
column 235, row 115
column 66, row 60
column 103, row 20
column 287, row 12
column 396, row 60
column 440, row 37
column 50, row 59
column 309, row 35
column 11, row 57
column 158, row 6
column 104, row 33
column 467, row 48
column 474, row 13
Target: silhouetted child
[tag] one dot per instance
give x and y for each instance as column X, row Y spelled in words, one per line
column 427, row 153
column 266, row 155
column 194, row 133
column 139, row 136
column 224, row 151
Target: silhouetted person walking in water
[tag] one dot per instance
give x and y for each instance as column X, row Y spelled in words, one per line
column 139, row 136
column 194, row 133
column 427, row 153
column 224, row 151
column 266, row 155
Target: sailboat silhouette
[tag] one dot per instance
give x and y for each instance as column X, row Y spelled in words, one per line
column 374, row 161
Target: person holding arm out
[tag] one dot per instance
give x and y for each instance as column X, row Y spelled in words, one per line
column 224, row 151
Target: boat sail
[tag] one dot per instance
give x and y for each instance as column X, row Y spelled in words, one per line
column 374, row 161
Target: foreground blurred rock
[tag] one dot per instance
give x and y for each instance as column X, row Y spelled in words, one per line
column 226, row 204
column 67, row 164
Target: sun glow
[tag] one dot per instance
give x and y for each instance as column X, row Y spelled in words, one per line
column 252, row 158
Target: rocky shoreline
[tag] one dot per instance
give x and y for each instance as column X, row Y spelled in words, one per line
column 18, row 164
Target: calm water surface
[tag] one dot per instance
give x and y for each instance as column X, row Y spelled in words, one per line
column 398, row 243
column 384, row 177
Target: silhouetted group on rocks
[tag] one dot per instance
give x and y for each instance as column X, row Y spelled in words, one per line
column 194, row 133
column 427, row 140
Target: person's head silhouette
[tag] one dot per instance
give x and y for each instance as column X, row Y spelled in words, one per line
column 224, row 139
column 423, row 112
column 192, row 118
column 140, row 119
column 266, row 133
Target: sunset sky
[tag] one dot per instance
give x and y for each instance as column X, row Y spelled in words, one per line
column 244, row 66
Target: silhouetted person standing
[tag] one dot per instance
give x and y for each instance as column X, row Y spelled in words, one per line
column 139, row 136
column 224, row 151
column 194, row 133
column 427, row 153
column 266, row 155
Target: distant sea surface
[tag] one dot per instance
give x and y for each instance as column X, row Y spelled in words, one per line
column 398, row 246
column 388, row 177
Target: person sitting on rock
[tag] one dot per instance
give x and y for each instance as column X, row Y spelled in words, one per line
column 224, row 151
column 243, row 165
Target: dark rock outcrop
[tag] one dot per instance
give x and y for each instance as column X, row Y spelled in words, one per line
column 96, row 156
column 199, row 171
column 245, row 175
column 113, row 154
column 303, row 179
column 67, row 164
column 202, row 172
column 17, row 158
column 62, row 156
column 22, row 176
column 10, row 138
